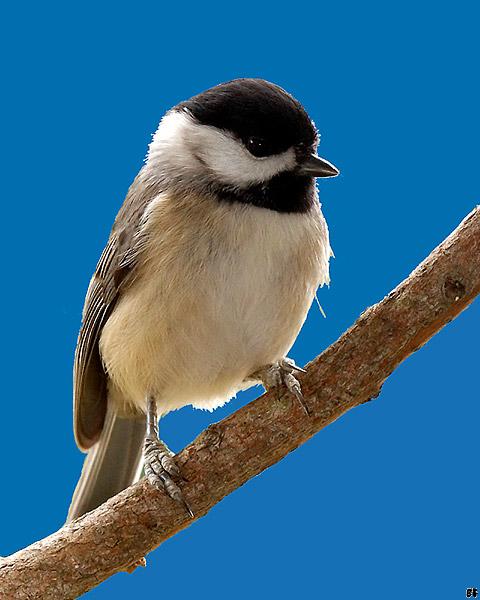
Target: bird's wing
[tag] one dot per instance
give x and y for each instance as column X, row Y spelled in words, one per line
column 114, row 271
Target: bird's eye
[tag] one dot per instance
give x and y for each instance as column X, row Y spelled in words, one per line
column 257, row 146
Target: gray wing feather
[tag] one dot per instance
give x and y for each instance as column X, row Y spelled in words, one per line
column 112, row 274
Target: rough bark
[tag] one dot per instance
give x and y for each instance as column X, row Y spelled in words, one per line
column 227, row 454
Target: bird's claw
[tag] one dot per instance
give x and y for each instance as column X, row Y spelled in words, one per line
column 161, row 470
column 272, row 376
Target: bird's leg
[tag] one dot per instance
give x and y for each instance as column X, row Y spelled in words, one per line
column 282, row 371
column 159, row 465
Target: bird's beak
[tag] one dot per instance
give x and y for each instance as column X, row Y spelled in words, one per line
column 314, row 166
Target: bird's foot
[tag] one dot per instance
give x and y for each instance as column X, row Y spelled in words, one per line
column 282, row 371
column 162, row 471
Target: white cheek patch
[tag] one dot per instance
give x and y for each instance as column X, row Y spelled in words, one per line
column 232, row 162
column 183, row 145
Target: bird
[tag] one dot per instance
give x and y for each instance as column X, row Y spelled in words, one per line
column 211, row 266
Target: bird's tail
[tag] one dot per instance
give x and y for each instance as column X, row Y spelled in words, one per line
column 111, row 465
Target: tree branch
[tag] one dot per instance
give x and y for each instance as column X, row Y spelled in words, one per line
column 227, row 454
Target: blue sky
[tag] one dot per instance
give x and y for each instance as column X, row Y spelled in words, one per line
column 389, row 506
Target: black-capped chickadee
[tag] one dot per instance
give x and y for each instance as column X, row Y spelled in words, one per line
column 211, row 266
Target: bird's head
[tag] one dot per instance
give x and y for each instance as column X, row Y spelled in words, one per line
column 247, row 140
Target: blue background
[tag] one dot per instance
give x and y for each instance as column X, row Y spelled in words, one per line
column 389, row 504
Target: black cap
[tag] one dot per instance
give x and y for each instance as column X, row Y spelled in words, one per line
column 254, row 109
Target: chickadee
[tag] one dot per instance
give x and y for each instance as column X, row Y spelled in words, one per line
column 211, row 266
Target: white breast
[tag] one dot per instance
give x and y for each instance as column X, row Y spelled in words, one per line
column 222, row 290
